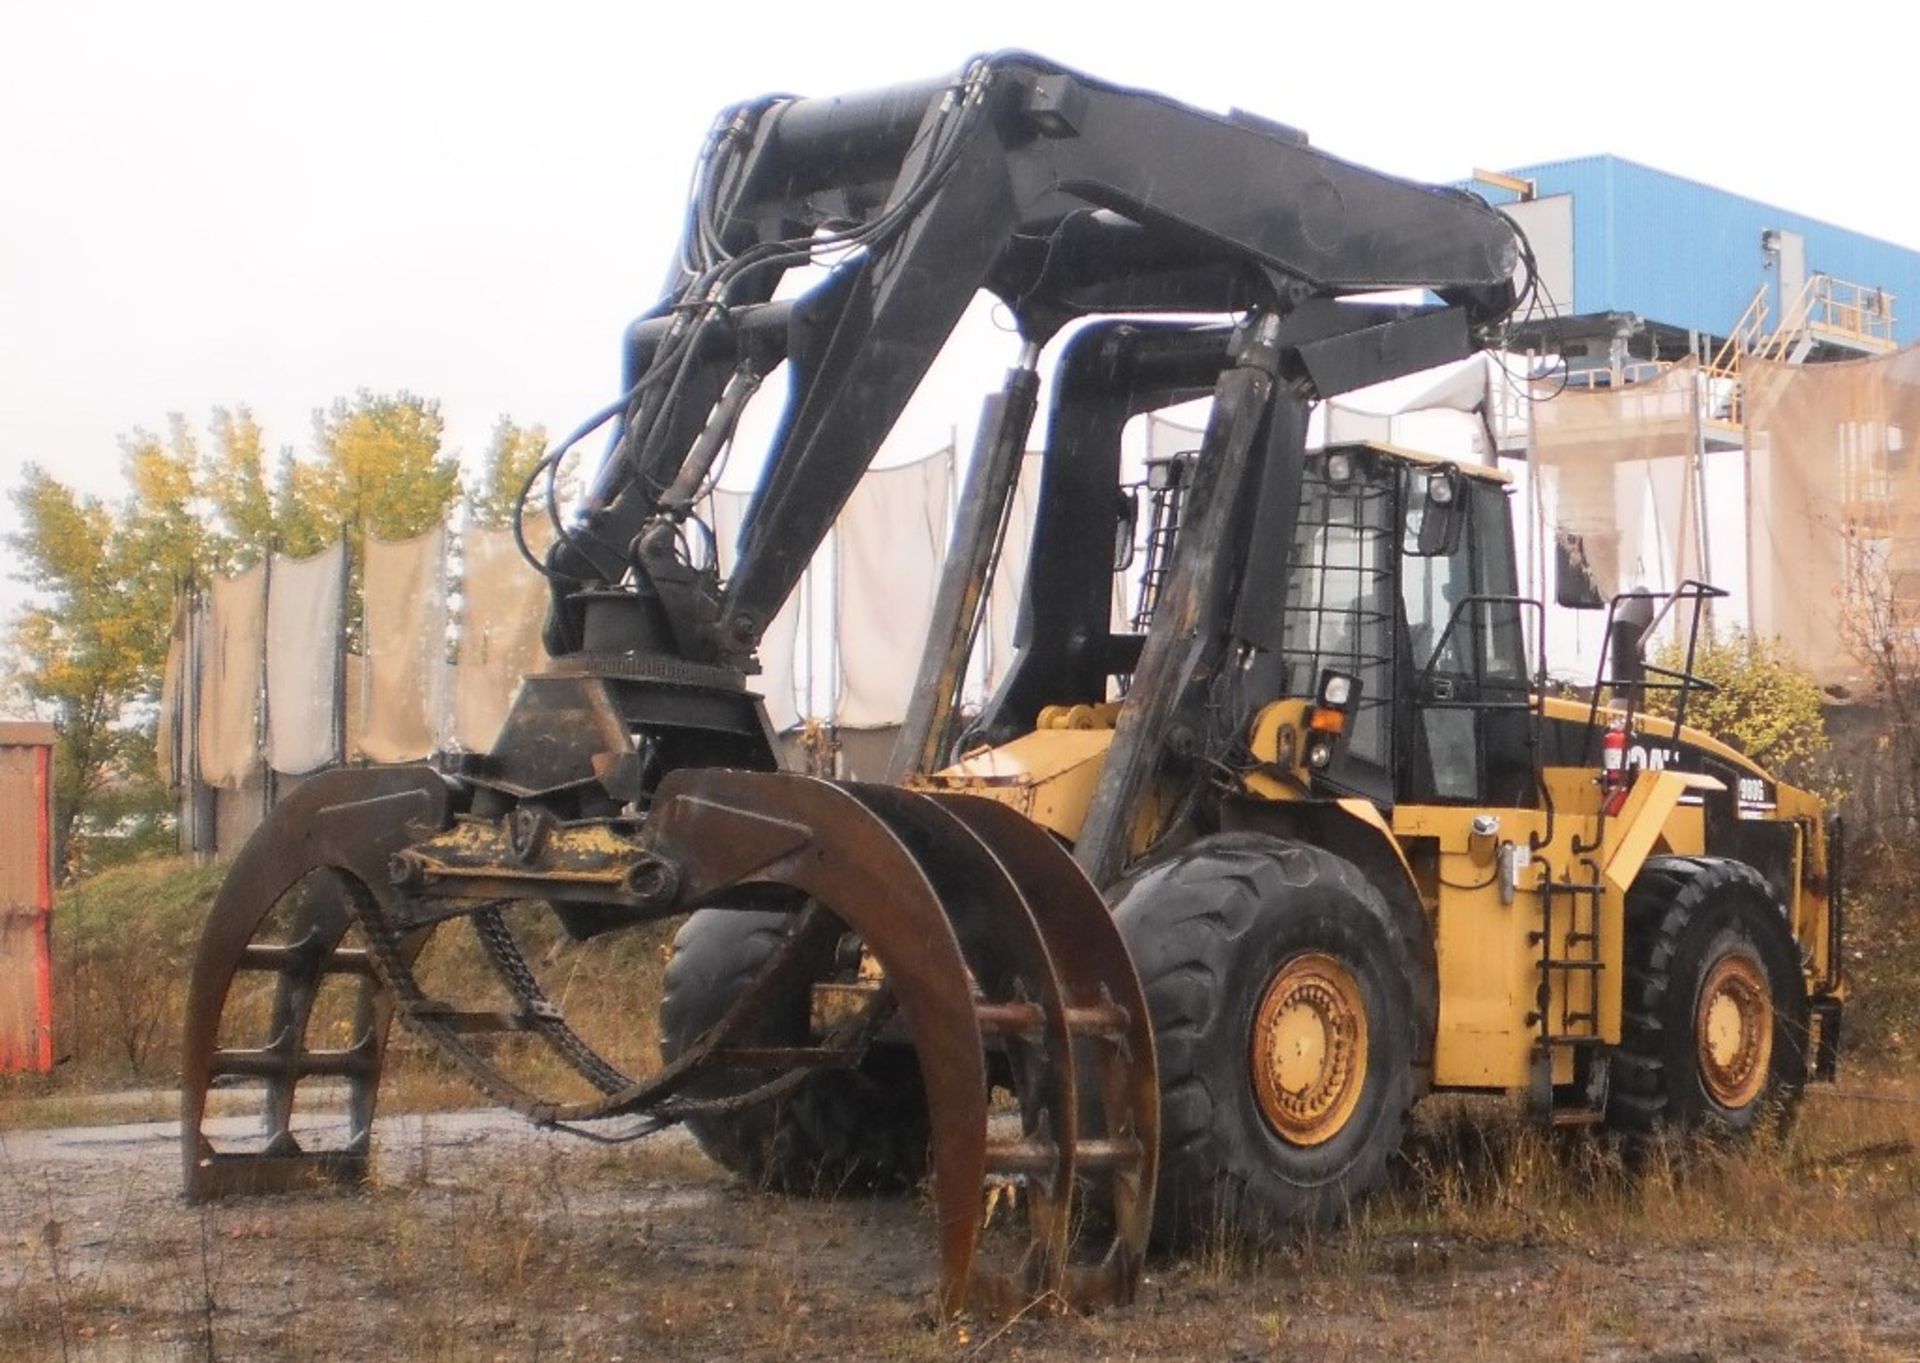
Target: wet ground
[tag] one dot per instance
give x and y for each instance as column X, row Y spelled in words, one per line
column 484, row 1239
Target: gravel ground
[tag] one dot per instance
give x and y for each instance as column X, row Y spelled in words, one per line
column 482, row 1238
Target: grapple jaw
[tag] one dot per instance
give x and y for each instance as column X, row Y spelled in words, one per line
column 327, row 841
column 991, row 943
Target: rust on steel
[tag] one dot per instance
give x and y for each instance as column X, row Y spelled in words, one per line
column 987, row 937
column 1113, row 1045
column 337, row 825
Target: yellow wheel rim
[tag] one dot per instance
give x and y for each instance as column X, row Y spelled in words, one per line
column 1310, row 1049
column 1733, row 1031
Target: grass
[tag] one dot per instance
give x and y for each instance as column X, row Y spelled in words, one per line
column 124, row 943
column 1499, row 1239
column 1502, row 1240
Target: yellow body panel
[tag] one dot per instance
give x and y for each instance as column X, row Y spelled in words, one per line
column 1650, row 726
column 1487, row 951
column 1048, row 775
column 1488, row 941
column 1486, row 944
column 1810, row 908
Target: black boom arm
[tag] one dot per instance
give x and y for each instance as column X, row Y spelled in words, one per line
column 1060, row 195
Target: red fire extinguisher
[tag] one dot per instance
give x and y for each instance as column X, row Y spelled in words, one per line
column 1613, row 766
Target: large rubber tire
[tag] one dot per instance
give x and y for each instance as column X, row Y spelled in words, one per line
column 863, row 1130
column 1685, row 916
column 1210, row 930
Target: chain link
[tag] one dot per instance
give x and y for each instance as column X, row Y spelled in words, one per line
column 541, row 1015
column 655, row 1096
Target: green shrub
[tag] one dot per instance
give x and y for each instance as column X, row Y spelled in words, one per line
column 1762, row 704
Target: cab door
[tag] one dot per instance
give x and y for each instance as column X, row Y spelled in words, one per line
column 1466, row 731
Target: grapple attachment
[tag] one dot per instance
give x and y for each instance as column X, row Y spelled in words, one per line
column 996, row 954
column 277, row 928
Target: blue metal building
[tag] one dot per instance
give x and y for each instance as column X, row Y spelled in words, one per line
column 1654, row 264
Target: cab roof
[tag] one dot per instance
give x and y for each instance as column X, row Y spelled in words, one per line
column 1483, row 472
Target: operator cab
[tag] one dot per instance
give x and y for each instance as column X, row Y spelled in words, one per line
column 1402, row 576
column 1381, row 564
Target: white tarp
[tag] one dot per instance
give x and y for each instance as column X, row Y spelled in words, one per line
column 171, row 761
column 228, row 741
column 777, row 681
column 1010, row 577
column 1617, row 470
column 1166, row 438
column 891, row 540
column 406, row 647
column 1436, row 411
column 304, row 598
column 1834, row 506
column 503, row 605
column 1457, row 387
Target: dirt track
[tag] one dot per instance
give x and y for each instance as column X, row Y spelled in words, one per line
column 483, row 1239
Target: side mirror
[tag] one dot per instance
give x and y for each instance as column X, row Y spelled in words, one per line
column 1436, row 511
column 1574, row 584
column 1126, row 527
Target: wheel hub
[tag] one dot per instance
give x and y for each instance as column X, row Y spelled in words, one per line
column 1310, row 1049
column 1733, row 1031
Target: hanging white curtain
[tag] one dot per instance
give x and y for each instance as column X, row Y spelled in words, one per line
column 230, row 678
column 303, row 660
column 503, row 608
column 406, row 659
column 890, row 541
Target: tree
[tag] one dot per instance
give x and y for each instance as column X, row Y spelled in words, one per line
column 233, row 479
column 377, row 469
column 511, row 457
column 1763, row 704
column 91, row 647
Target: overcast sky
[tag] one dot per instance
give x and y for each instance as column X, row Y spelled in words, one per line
column 274, row 205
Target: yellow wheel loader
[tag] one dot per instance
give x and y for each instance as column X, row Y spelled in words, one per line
column 1213, row 897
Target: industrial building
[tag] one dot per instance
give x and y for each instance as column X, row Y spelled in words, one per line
column 1646, row 266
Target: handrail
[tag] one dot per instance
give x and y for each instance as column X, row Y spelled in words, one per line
column 1535, row 702
column 1858, row 312
column 1683, row 681
column 1825, row 304
column 1453, row 620
column 1794, row 320
column 1855, row 310
column 1725, row 361
column 1634, row 371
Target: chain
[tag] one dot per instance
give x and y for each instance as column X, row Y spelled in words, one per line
column 387, row 954
column 540, row 1013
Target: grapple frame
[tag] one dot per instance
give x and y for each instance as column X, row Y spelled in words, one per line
column 987, row 934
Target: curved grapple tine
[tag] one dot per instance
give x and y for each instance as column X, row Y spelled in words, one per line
column 1020, row 1002
column 1119, row 1119
column 346, row 823
column 950, row 893
column 727, row 828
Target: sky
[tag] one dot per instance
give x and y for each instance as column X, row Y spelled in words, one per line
column 274, row 205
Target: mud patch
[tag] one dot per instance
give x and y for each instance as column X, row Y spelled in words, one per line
column 481, row 1238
